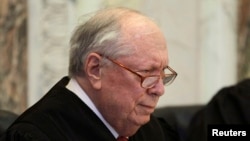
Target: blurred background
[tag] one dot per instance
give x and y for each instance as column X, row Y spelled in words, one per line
column 208, row 42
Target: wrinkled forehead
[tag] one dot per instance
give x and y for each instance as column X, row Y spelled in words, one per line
column 153, row 56
column 150, row 60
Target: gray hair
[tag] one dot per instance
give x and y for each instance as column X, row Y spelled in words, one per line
column 101, row 34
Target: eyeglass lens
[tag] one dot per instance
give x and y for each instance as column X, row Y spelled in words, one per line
column 152, row 80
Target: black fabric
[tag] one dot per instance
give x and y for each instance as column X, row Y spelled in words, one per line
column 178, row 117
column 229, row 106
column 6, row 119
column 62, row 116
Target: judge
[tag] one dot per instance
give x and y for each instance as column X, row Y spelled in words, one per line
column 117, row 71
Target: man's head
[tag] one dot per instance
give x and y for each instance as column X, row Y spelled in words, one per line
column 119, row 57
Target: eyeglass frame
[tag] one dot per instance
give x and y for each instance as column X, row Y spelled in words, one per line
column 174, row 74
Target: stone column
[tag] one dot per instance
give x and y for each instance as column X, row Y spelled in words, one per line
column 244, row 40
column 50, row 26
column 13, row 55
column 218, row 46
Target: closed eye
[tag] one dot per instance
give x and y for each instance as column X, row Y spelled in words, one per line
column 145, row 72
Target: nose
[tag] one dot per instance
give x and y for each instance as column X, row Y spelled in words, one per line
column 158, row 89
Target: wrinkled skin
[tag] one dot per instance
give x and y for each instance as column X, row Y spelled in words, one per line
column 116, row 92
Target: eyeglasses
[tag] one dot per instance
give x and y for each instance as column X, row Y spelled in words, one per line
column 150, row 81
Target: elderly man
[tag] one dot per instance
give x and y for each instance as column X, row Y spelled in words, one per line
column 117, row 72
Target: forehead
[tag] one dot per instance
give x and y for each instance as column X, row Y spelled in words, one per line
column 153, row 58
column 139, row 30
column 145, row 37
column 149, row 51
column 146, row 61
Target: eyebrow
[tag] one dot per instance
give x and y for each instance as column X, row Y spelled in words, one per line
column 151, row 69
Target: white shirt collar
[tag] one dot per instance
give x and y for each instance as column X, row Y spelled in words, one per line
column 78, row 91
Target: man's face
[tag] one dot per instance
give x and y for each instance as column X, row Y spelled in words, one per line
column 124, row 103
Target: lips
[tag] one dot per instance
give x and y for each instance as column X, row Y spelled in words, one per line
column 147, row 109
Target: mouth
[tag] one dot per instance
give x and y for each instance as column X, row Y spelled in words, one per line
column 147, row 109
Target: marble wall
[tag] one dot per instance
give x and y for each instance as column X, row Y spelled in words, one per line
column 13, row 55
column 244, row 40
column 48, row 45
column 217, row 41
column 198, row 34
column 201, row 35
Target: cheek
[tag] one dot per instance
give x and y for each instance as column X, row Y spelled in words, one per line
column 122, row 97
column 127, row 99
column 120, row 107
column 121, row 82
column 122, row 92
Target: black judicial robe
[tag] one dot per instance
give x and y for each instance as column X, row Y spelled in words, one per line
column 230, row 105
column 61, row 116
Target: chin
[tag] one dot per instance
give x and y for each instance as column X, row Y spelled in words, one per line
column 141, row 120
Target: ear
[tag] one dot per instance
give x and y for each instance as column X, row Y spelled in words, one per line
column 93, row 70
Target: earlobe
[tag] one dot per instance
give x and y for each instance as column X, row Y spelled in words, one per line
column 93, row 70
